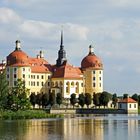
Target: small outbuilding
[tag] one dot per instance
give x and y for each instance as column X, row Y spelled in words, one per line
column 129, row 105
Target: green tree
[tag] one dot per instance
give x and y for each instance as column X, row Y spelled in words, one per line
column 81, row 100
column 135, row 97
column 87, row 99
column 51, row 99
column 73, row 99
column 125, row 95
column 4, row 90
column 33, row 99
column 114, row 99
column 139, row 100
column 59, row 99
column 45, row 100
column 19, row 96
column 96, row 99
column 105, row 98
column 39, row 99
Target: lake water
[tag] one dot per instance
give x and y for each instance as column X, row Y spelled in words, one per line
column 85, row 127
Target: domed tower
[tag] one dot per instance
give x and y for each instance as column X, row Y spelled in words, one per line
column 92, row 68
column 18, row 66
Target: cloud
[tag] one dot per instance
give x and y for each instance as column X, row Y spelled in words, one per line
column 42, row 30
column 8, row 16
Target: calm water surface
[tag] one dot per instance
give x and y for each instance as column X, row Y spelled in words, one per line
column 85, row 127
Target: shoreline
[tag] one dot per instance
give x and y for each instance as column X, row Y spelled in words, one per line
column 27, row 114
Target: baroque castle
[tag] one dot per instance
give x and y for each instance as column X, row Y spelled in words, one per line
column 42, row 77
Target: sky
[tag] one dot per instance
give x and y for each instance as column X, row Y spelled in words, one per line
column 111, row 26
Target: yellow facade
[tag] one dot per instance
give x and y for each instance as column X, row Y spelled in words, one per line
column 93, row 80
column 67, row 86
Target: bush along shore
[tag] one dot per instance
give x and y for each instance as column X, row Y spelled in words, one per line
column 28, row 114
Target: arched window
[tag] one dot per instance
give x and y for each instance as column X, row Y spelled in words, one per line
column 72, row 84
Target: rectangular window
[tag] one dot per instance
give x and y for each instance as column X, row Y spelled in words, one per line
column 23, row 75
column 37, row 83
column 42, row 77
column 7, row 76
column 7, row 69
column 94, row 72
column 100, row 72
column 29, row 83
column 42, row 83
column 82, row 85
column 15, row 76
column 8, row 83
column 100, row 78
column 23, row 69
column 94, row 78
column 129, row 105
column 100, row 84
column 48, row 76
column 48, row 84
column 37, row 76
column 94, row 84
column 134, row 105
column 15, row 82
column 15, row 69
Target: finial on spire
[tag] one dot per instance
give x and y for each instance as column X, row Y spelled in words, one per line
column 61, row 36
column 91, row 49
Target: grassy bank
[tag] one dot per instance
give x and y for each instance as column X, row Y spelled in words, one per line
column 28, row 114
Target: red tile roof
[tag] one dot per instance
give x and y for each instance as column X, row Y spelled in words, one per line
column 39, row 65
column 67, row 71
column 128, row 100
column 91, row 60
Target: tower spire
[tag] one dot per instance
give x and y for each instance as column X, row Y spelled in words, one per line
column 61, row 38
column 61, row 53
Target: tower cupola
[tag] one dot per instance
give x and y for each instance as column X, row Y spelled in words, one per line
column 18, row 45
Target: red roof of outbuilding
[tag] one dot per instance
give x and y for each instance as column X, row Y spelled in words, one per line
column 128, row 100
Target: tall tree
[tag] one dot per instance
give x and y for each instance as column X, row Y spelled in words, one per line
column 81, row 100
column 73, row 99
column 4, row 90
column 96, row 99
column 135, row 97
column 125, row 95
column 87, row 99
column 33, row 99
column 19, row 95
column 139, row 100
column 114, row 99
column 59, row 99
column 105, row 98
column 45, row 100
column 39, row 99
column 51, row 98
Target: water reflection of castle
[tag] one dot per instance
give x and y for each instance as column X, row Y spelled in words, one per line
column 93, row 128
